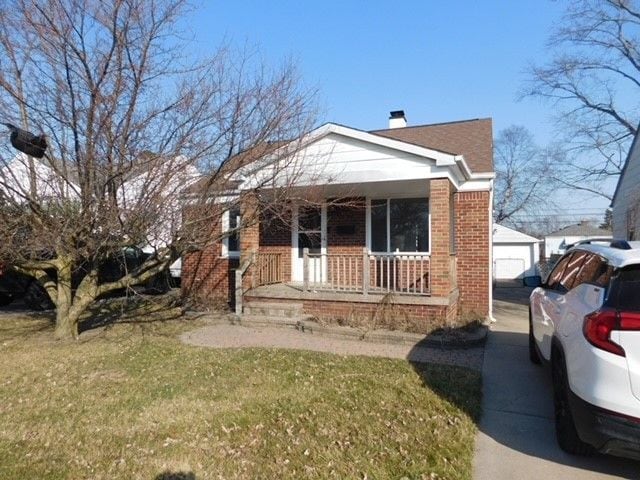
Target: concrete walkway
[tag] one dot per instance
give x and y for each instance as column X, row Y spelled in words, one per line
column 237, row 336
column 517, row 438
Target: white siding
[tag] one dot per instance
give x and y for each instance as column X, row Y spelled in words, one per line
column 627, row 201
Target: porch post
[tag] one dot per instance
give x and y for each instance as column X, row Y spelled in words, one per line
column 238, row 291
column 366, row 275
column 440, row 282
column 249, row 238
column 305, row 269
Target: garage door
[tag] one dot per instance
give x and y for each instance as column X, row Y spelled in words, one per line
column 508, row 268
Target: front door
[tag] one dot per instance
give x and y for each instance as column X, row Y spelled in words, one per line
column 310, row 231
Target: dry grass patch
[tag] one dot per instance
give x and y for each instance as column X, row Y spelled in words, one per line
column 133, row 402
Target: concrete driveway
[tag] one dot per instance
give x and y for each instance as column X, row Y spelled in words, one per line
column 517, row 438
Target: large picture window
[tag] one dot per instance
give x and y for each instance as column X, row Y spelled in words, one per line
column 400, row 225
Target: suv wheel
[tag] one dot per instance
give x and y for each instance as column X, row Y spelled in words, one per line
column 566, row 432
column 534, row 356
column 37, row 298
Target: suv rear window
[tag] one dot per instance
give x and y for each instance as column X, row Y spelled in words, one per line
column 625, row 289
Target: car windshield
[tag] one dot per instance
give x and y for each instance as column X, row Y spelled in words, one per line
column 625, row 289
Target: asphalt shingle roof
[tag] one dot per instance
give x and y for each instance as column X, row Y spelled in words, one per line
column 582, row 229
column 471, row 138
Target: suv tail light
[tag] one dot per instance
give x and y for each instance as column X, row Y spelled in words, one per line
column 597, row 329
column 599, row 324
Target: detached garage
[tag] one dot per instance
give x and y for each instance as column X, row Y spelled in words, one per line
column 515, row 256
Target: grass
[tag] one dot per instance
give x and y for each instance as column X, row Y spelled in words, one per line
column 133, row 402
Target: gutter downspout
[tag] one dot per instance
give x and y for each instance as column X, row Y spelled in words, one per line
column 491, row 317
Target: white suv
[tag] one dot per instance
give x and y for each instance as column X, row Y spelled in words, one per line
column 585, row 322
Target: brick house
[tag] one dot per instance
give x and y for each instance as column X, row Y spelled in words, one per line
column 416, row 224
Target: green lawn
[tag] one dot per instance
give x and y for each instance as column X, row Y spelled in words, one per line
column 132, row 402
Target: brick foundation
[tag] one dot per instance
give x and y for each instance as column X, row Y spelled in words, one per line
column 410, row 318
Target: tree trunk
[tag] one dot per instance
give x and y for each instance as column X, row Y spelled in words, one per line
column 66, row 327
column 71, row 305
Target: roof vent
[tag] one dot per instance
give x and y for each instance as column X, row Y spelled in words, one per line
column 397, row 119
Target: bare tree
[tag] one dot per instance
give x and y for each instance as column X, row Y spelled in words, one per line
column 523, row 182
column 593, row 79
column 131, row 123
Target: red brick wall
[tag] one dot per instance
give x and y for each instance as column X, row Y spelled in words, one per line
column 249, row 236
column 440, row 208
column 472, row 250
column 346, row 237
column 208, row 277
column 275, row 237
column 346, row 226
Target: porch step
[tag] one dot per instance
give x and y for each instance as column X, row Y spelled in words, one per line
column 274, row 309
column 278, row 321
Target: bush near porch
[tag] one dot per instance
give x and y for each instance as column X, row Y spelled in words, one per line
column 131, row 401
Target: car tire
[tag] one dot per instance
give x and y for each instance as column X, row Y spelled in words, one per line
column 37, row 298
column 566, row 432
column 534, row 356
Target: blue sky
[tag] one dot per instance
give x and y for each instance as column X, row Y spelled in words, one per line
column 437, row 60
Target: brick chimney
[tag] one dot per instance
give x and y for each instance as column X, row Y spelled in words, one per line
column 397, row 119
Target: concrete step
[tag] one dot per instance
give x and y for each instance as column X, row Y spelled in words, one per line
column 286, row 310
column 273, row 321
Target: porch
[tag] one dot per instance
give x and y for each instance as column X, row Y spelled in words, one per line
column 389, row 245
column 361, row 274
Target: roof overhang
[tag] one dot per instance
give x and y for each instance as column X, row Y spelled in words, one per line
column 456, row 164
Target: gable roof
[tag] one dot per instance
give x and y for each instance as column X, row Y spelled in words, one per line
column 582, row 229
column 502, row 234
column 471, row 138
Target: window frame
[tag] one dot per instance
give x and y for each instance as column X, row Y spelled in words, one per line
column 226, row 228
column 388, row 226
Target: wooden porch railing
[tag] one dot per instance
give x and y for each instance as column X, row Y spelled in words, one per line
column 268, row 269
column 367, row 273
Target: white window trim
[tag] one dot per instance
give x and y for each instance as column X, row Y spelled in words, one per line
column 368, row 226
column 226, row 253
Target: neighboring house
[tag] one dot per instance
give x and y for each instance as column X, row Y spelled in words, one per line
column 15, row 179
column 626, row 199
column 418, row 224
column 15, row 183
column 556, row 243
column 515, row 255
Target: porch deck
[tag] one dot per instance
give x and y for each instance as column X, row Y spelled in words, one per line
column 295, row 292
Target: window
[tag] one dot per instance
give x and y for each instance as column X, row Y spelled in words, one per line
column 231, row 224
column 571, row 272
column 400, row 225
column 595, row 270
column 625, row 285
column 556, row 274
